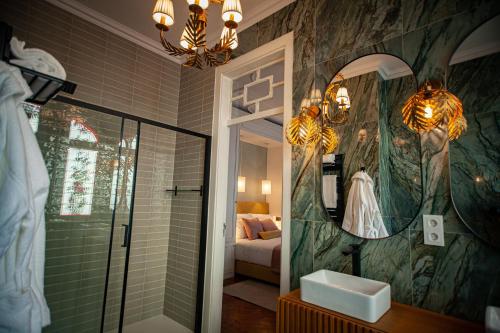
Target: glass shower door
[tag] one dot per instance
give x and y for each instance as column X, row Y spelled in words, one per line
column 80, row 148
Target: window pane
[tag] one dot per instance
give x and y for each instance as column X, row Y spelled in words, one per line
column 240, row 82
column 275, row 102
column 258, row 91
column 277, row 71
column 79, row 182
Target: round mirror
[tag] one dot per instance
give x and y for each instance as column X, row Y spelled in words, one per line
column 371, row 184
column 475, row 155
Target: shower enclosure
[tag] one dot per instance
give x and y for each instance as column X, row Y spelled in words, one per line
column 126, row 218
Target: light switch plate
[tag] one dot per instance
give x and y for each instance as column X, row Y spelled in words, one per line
column 433, row 230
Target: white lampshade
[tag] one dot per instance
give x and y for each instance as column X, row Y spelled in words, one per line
column 342, row 96
column 316, row 96
column 184, row 43
column 202, row 3
column 163, row 13
column 225, row 32
column 231, row 11
column 241, row 184
column 266, row 186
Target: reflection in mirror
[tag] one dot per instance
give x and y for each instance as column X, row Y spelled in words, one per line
column 475, row 156
column 372, row 183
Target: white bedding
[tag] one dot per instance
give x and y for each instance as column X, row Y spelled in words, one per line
column 257, row 251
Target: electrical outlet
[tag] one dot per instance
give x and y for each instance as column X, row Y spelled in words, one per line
column 433, row 230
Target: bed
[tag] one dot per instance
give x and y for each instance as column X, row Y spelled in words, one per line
column 259, row 258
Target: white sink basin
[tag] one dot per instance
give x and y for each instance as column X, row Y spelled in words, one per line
column 357, row 297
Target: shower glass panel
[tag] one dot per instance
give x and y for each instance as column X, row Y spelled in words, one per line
column 80, row 147
column 121, row 191
column 126, row 219
column 163, row 266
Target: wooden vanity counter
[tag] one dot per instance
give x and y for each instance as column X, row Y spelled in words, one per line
column 296, row 316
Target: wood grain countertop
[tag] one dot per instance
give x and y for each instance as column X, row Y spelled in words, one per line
column 400, row 318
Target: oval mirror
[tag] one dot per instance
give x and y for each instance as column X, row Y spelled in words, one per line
column 371, row 184
column 475, row 155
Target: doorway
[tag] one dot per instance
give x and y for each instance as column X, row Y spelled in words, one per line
column 239, row 85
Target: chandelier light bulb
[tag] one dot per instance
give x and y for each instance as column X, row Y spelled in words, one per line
column 184, row 43
column 428, row 111
column 226, row 32
column 163, row 13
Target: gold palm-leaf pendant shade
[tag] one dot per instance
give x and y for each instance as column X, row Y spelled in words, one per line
column 457, row 127
column 330, row 140
column 303, row 129
column 433, row 107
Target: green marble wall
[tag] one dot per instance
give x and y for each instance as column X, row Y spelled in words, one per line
column 456, row 279
column 475, row 182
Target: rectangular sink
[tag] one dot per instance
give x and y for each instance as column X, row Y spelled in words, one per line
column 354, row 296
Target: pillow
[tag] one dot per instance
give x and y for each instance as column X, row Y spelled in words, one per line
column 252, row 228
column 270, row 234
column 262, row 216
column 240, row 230
column 268, row 225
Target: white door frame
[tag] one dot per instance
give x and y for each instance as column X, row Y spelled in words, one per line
column 217, row 202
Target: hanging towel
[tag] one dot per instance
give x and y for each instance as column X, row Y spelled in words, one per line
column 24, row 184
column 330, row 191
column 36, row 59
column 362, row 216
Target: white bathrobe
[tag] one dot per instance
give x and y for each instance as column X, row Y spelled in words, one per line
column 362, row 216
column 24, row 187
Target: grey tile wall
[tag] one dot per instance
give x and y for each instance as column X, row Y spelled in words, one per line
column 195, row 113
column 112, row 72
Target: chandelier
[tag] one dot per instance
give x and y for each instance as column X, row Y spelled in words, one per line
column 192, row 42
column 313, row 124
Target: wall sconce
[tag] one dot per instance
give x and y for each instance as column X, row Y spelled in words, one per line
column 266, row 187
column 241, row 184
column 433, row 106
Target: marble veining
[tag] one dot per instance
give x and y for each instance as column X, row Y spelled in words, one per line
column 456, row 279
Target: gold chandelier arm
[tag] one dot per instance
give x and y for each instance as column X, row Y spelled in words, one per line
column 173, row 50
column 195, row 31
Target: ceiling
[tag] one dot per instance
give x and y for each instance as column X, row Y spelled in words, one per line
column 132, row 19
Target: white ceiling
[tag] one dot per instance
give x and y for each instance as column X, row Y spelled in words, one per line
column 132, row 19
column 388, row 66
column 483, row 41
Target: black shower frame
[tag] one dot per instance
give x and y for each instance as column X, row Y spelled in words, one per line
column 204, row 207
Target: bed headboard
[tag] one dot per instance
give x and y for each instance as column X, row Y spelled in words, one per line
column 252, row 207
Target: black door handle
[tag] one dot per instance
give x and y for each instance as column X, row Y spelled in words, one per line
column 125, row 236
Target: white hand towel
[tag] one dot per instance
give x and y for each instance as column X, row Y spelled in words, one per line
column 36, row 59
column 330, row 191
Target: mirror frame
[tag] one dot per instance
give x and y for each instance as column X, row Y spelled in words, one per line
column 455, row 208
column 421, row 167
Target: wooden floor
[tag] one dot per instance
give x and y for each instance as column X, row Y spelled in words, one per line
column 239, row 316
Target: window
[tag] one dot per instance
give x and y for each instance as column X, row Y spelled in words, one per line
column 125, row 166
column 33, row 113
column 78, row 188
